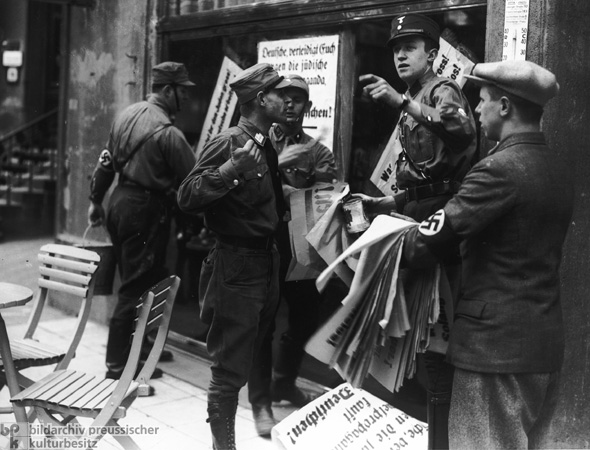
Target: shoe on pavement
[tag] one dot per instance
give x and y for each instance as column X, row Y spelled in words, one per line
column 264, row 420
column 290, row 393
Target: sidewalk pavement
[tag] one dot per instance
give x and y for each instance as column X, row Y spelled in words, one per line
column 178, row 410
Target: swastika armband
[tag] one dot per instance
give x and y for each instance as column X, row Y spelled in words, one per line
column 439, row 237
column 434, row 224
column 106, row 159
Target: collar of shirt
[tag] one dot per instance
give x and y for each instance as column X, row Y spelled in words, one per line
column 419, row 84
column 533, row 138
column 251, row 129
column 157, row 101
column 279, row 135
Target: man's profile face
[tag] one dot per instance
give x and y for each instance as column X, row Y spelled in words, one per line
column 275, row 105
column 488, row 110
column 411, row 58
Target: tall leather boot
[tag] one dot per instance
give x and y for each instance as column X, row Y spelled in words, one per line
column 285, row 373
column 438, row 409
column 222, row 418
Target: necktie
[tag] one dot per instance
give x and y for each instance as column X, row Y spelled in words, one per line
column 273, row 165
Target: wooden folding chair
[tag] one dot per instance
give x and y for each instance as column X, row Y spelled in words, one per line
column 63, row 396
column 65, row 271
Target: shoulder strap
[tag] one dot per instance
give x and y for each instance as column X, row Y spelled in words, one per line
column 143, row 141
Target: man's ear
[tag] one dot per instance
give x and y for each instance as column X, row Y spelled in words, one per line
column 432, row 54
column 308, row 107
column 168, row 90
column 505, row 106
column 261, row 98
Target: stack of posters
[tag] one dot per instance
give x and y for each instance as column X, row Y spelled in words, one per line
column 387, row 315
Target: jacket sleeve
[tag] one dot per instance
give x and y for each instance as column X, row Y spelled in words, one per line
column 450, row 116
column 212, row 177
column 325, row 165
column 177, row 152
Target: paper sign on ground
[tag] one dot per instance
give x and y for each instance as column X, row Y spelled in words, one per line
column 351, row 419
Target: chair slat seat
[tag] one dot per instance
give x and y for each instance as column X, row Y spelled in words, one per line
column 63, row 269
column 73, row 393
column 30, row 353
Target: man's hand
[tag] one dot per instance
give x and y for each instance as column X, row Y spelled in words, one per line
column 379, row 90
column 96, row 214
column 292, row 154
column 247, row 157
column 376, row 205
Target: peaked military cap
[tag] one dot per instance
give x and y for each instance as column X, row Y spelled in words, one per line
column 414, row 25
column 170, row 73
column 297, row 81
column 248, row 83
column 524, row 79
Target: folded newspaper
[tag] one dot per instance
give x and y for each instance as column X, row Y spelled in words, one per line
column 317, row 231
column 387, row 316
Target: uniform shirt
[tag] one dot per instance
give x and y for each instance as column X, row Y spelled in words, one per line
column 161, row 162
column 317, row 165
column 511, row 216
column 238, row 205
column 442, row 143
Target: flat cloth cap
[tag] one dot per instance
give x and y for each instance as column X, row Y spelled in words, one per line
column 170, row 73
column 248, row 83
column 524, row 79
column 296, row 81
column 414, row 25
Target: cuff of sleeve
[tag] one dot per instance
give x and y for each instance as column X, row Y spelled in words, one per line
column 229, row 174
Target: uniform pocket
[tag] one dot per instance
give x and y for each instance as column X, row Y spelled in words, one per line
column 420, row 140
column 471, row 308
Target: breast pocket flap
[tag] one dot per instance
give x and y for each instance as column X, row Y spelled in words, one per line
column 471, row 308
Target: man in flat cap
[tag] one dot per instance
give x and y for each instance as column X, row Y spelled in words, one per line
column 151, row 157
column 436, row 136
column 236, row 183
column 510, row 218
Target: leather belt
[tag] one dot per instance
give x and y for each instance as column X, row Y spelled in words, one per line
column 126, row 183
column 432, row 190
column 255, row 243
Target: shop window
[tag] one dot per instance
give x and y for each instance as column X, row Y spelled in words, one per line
column 371, row 124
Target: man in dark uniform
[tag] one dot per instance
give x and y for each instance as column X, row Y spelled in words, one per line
column 437, row 134
column 510, row 216
column 151, row 157
column 236, row 183
column 303, row 162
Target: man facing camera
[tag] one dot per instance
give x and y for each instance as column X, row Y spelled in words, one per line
column 236, row 183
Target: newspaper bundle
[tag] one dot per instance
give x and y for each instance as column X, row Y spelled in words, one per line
column 387, row 315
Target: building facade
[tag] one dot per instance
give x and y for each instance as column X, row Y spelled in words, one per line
column 109, row 47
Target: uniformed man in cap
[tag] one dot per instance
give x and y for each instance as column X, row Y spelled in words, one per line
column 437, row 135
column 510, row 216
column 151, row 157
column 303, row 162
column 236, row 183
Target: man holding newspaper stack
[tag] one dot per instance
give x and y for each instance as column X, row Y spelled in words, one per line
column 510, row 216
column 437, row 138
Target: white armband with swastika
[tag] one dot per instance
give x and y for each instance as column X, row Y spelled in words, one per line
column 106, row 159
